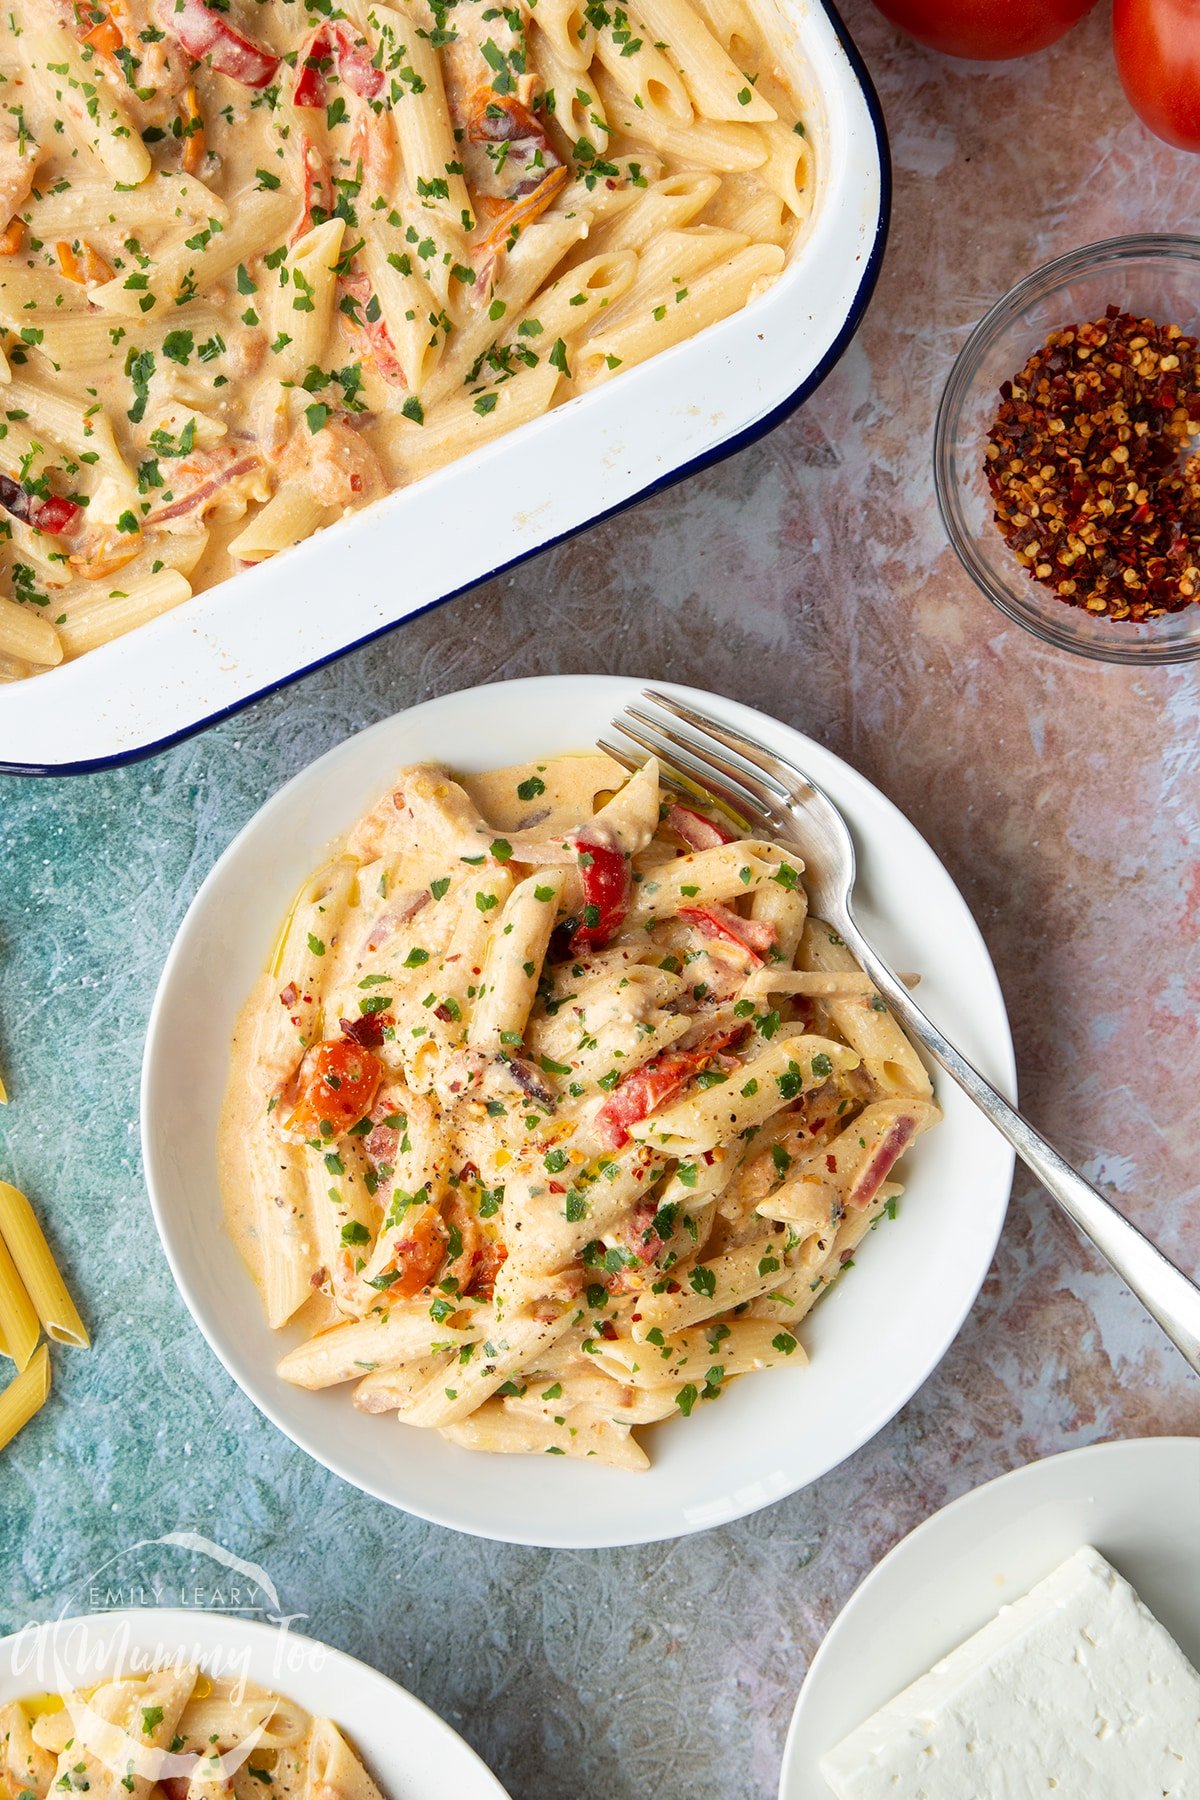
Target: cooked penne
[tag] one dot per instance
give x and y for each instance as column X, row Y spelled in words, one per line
column 304, row 299
column 569, row 30
column 581, row 1432
column 714, row 144
column 666, row 266
column 462, row 425
column 287, row 519
column 785, row 171
column 141, row 1733
column 718, row 87
column 508, row 985
column 334, row 1772
column 191, row 262
column 246, row 302
column 668, row 204
column 864, row 1022
column 71, row 79
column 574, row 1152
column 642, row 73
column 26, row 634
column 39, row 1273
column 572, row 98
column 577, row 299
column 710, row 296
column 428, row 153
column 89, row 624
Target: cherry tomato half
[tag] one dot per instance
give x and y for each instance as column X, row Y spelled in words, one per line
column 337, row 1083
column 989, row 30
column 1158, row 59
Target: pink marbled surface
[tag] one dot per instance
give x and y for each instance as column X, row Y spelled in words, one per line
column 808, row 576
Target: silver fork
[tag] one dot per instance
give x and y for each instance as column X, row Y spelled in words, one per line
column 772, row 794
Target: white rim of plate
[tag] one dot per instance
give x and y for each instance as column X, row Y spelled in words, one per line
column 180, row 1632
column 1044, row 1468
column 741, row 1501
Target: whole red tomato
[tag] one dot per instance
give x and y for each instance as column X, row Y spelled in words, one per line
column 990, row 30
column 1158, row 59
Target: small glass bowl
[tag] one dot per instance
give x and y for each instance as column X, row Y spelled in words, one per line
column 1155, row 277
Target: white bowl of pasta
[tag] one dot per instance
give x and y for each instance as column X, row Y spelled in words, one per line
column 544, row 1162
column 156, row 1703
column 276, row 305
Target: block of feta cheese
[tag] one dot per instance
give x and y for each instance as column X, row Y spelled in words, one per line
column 1075, row 1689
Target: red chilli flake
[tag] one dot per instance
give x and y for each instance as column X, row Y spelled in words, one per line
column 1088, row 467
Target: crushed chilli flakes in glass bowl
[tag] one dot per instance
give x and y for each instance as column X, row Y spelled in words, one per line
column 1069, row 493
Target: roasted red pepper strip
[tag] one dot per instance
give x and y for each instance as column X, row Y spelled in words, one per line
column 54, row 515
column 754, row 936
column 205, row 33
column 653, row 1085
column 356, row 66
column 336, row 44
column 697, row 831
column 310, row 89
column 604, row 872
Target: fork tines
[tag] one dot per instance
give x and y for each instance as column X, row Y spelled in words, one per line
column 696, row 752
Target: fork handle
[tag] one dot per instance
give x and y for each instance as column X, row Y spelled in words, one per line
column 1168, row 1295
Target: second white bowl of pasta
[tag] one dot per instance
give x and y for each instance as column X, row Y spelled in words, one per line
column 164, row 1704
column 544, row 1116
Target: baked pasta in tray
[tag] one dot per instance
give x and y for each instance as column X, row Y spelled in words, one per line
column 175, row 1733
column 262, row 263
column 555, row 1110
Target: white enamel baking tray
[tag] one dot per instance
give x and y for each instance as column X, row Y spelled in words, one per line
column 683, row 410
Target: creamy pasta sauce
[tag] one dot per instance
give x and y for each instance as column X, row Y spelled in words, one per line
column 555, row 1111
column 259, row 266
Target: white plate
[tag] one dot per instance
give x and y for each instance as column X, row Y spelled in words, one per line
column 679, row 412
column 412, row 1754
column 1138, row 1503
column 919, row 1275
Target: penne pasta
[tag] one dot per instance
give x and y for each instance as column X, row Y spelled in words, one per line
column 464, row 424
column 546, row 1076
column 864, row 1022
column 428, row 153
column 25, row 634
column 244, row 321
column 19, row 1326
column 718, row 87
column 708, row 297
column 641, row 72
column 288, row 518
column 216, row 1735
column 304, row 299
column 70, row 77
column 89, row 624
column 24, row 1395
column 570, row 95
column 38, row 1271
